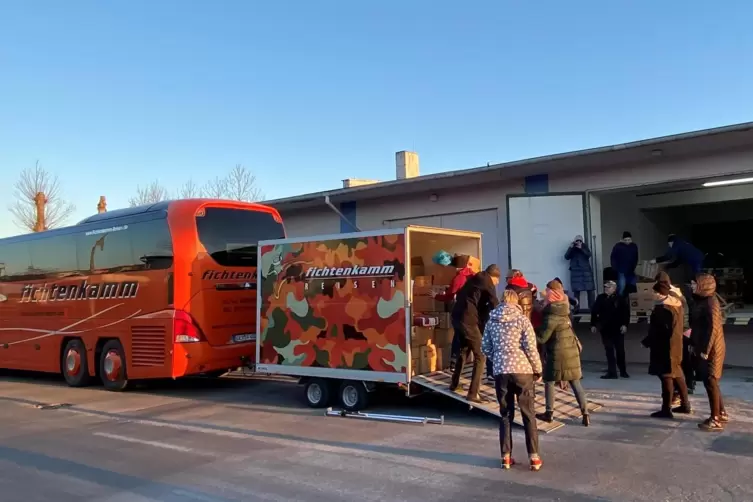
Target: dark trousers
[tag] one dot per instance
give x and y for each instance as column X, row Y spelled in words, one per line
column 509, row 387
column 668, row 385
column 470, row 341
column 455, row 343
column 688, row 363
column 716, row 403
column 590, row 298
column 614, row 346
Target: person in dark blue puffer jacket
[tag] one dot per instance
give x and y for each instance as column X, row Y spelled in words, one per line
column 681, row 252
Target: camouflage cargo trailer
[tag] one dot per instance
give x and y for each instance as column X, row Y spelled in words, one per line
column 338, row 310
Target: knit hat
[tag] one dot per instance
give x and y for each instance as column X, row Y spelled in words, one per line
column 610, row 284
column 671, row 238
column 579, row 238
column 662, row 287
column 626, row 234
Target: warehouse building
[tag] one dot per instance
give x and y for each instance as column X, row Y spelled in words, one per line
column 698, row 185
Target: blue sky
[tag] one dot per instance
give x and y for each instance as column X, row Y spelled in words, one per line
column 109, row 95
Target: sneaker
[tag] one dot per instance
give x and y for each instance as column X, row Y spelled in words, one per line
column 609, row 376
column 683, row 410
column 477, row 399
column 691, row 391
column 536, row 463
column 711, row 425
column 507, row 462
column 547, row 417
column 724, row 418
column 676, row 401
column 662, row 414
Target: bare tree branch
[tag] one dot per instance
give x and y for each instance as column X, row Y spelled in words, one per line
column 241, row 185
column 154, row 192
column 215, row 189
column 30, row 182
column 189, row 190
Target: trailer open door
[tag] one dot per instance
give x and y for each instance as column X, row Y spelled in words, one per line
column 539, row 229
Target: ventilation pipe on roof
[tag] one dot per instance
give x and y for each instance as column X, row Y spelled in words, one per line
column 339, row 213
column 406, row 165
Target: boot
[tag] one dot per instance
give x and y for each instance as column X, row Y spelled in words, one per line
column 609, row 376
column 683, row 409
column 662, row 414
column 547, row 417
column 507, row 461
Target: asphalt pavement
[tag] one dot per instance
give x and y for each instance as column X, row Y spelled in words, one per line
column 254, row 440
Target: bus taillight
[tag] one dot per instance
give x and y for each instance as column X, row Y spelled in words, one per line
column 185, row 329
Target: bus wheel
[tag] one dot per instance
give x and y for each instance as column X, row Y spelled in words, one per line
column 112, row 366
column 353, row 396
column 317, row 392
column 75, row 367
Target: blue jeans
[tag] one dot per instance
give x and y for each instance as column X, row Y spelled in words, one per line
column 623, row 280
column 578, row 392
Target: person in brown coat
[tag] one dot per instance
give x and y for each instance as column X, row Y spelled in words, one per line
column 664, row 340
column 707, row 339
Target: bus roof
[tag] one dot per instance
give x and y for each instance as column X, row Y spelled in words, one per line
column 139, row 213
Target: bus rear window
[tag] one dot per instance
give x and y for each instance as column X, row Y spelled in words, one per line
column 231, row 236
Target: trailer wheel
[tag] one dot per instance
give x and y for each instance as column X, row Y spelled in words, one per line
column 317, row 392
column 353, row 396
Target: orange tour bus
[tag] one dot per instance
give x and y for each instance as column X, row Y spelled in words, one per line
column 158, row 291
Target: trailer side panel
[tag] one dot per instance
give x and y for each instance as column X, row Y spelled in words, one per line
column 334, row 307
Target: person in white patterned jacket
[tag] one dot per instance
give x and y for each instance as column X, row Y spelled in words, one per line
column 509, row 341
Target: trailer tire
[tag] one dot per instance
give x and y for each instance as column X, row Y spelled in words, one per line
column 353, row 395
column 318, row 393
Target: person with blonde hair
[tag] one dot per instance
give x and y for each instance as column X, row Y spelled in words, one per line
column 509, row 341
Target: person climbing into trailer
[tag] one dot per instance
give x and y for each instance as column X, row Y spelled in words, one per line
column 681, row 252
column 464, row 271
column 664, row 341
column 610, row 317
column 624, row 259
column 473, row 304
column 581, row 273
column 707, row 338
column 562, row 348
column 572, row 300
column 510, row 343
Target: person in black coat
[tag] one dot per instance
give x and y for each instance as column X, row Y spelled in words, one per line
column 581, row 273
column 610, row 317
column 473, row 304
column 664, row 340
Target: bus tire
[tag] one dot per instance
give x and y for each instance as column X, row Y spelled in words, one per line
column 353, row 395
column 318, row 393
column 74, row 365
column 112, row 366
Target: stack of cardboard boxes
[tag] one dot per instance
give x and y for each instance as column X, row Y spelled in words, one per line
column 643, row 299
column 432, row 333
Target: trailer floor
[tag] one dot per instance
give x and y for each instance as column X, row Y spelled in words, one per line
column 565, row 405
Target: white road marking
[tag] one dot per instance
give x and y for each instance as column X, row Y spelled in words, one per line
column 156, row 444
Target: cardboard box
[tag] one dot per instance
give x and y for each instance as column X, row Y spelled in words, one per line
column 428, row 354
column 421, row 336
column 415, row 365
column 443, row 337
column 475, row 264
column 442, row 275
column 443, row 358
column 417, row 267
column 421, row 281
column 647, row 270
column 427, row 304
column 445, row 320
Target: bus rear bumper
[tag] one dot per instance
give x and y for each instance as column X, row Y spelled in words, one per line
column 196, row 358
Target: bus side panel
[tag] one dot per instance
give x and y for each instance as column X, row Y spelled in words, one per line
column 336, row 304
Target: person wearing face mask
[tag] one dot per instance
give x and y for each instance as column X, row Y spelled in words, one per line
column 581, row 273
column 562, row 349
column 473, row 304
column 664, row 340
column 707, row 339
column 681, row 252
column 624, row 259
column 610, row 317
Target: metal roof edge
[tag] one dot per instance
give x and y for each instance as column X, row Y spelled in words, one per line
column 660, row 140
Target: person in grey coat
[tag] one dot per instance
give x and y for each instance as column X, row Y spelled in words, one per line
column 581, row 273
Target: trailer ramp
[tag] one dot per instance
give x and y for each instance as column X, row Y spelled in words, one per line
column 565, row 405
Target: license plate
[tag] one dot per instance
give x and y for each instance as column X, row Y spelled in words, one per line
column 244, row 337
